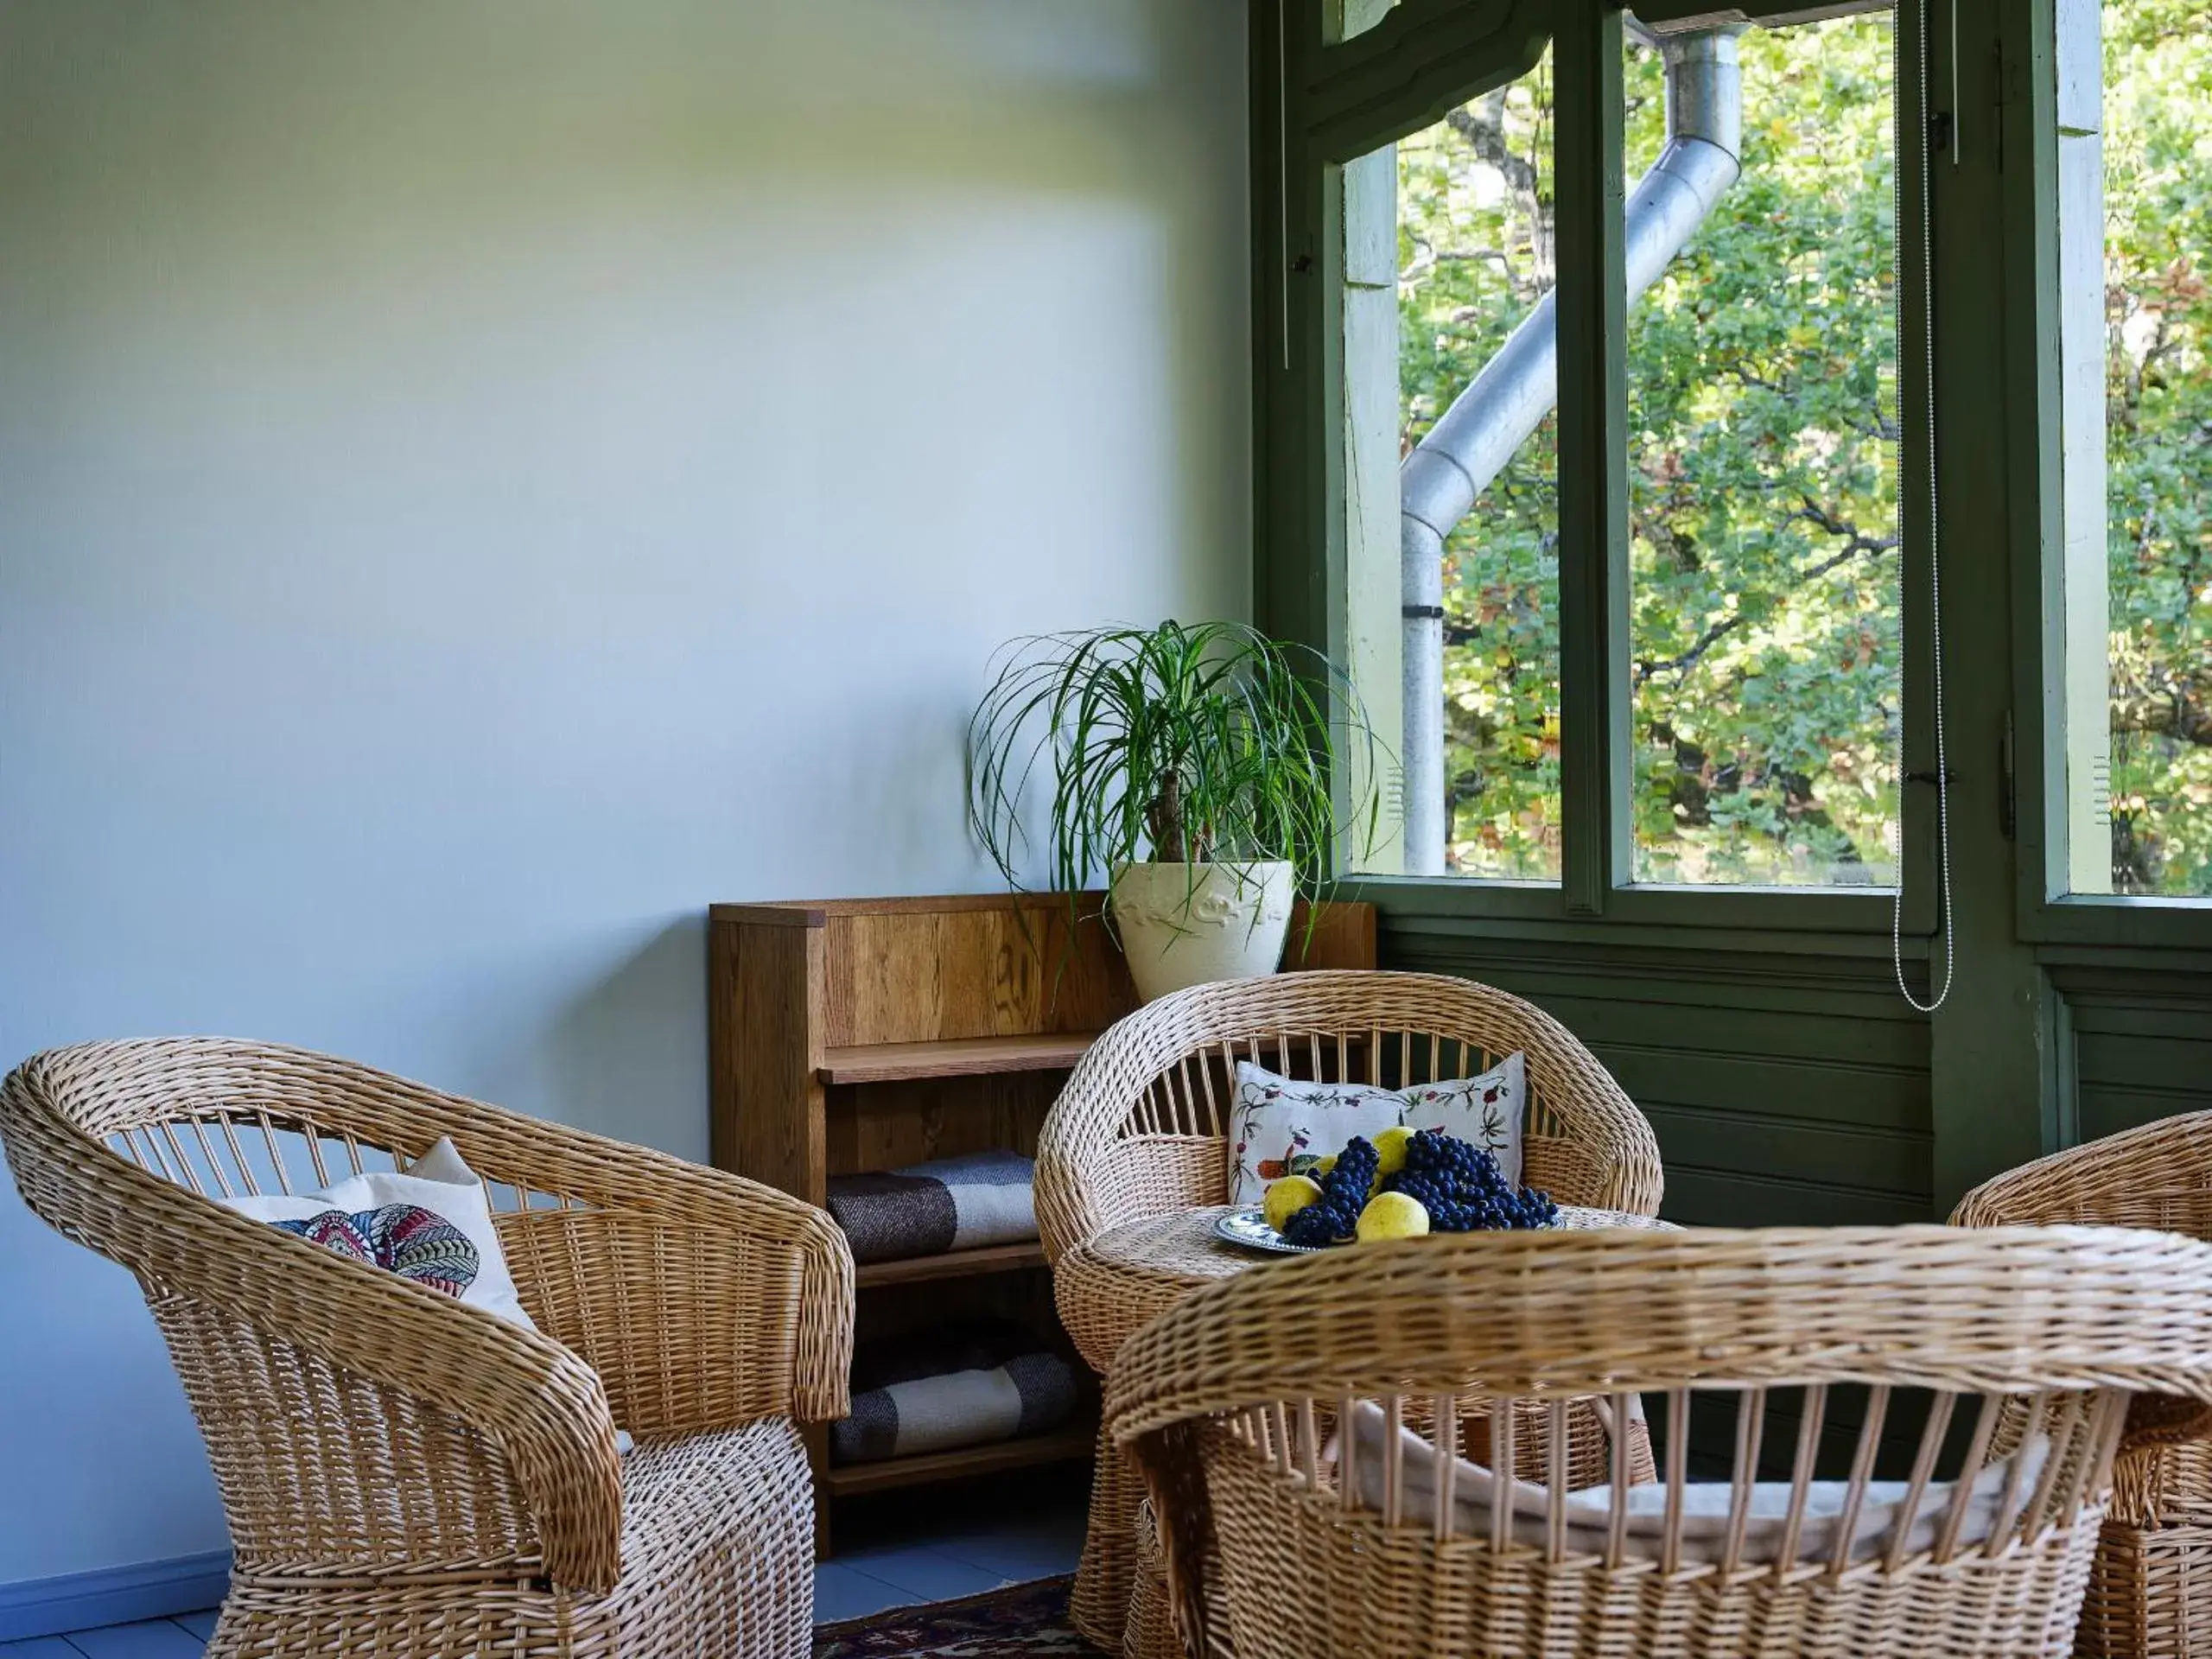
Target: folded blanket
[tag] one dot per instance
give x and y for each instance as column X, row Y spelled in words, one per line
column 967, row 1388
column 948, row 1204
column 980, row 1342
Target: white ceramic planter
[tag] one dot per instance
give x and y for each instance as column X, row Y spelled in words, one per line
column 1185, row 924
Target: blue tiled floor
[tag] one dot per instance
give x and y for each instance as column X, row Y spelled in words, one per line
column 152, row 1638
column 896, row 1571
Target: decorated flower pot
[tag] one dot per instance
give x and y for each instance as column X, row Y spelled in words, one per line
column 1183, row 925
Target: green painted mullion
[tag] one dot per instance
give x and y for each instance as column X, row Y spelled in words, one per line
column 2034, row 465
column 1291, row 389
column 1593, row 309
column 1994, row 1041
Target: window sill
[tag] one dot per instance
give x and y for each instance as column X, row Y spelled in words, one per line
column 1788, row 921
column 2144, row 924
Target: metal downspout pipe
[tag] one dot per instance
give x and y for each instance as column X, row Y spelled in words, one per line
column 1470, row 444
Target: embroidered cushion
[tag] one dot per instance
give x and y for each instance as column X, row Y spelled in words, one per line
column 432, row 1224
column 1280, row 1127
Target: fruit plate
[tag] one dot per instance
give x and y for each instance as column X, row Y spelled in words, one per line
column 1249, row 1227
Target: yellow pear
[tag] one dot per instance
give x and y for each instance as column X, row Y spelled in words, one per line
column 1392, row 1215
column 1287, row 1196
column 1390, row 1151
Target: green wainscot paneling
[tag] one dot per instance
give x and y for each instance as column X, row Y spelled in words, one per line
column 2142, row 1042
column 1784, row 1091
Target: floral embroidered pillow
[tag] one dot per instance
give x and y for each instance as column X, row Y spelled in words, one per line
column 1280, row 1127
column 431, row 1224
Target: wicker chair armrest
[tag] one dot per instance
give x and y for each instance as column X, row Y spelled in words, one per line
column 2159, row 1176
column 705, row 1300
column 1084, row 1187
column 644, row 1265
column 540, row 1403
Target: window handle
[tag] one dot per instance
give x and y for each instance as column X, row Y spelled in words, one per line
column 2008, row 797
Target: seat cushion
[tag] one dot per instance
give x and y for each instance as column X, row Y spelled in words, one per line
column 717, row 1545
column 1705, row 1505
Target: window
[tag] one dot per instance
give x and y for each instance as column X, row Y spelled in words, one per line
column 1761, row 423
column 2135, row 303
column 1453, row 580
column 1763, row 433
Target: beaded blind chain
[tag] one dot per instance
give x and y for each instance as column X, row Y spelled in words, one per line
column 1927, row 342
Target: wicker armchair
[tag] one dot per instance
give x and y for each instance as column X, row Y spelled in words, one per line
column 2002, row 1365
column 406, row 1475
column 1140, row 1131
column 2150, row 1590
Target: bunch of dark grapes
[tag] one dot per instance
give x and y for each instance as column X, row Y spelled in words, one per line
column 1463, row 1189
column 1334, row 1217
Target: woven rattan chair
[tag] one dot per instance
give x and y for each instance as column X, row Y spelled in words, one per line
column 2150, row 1591
column 1140, row 1131
column 407, row 1475
column 1993, row 1375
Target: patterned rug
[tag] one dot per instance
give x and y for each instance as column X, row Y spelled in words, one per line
column 1024, row 1621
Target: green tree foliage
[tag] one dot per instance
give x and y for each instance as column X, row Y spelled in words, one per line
column 1763, row 501
column 1764, row 426
column 2159, row 403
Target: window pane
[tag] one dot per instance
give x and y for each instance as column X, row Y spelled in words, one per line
column 1451, row 533
column 1762, row 387
column 2135, row 215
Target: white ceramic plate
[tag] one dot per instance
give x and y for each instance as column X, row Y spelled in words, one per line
column 1249, row 1227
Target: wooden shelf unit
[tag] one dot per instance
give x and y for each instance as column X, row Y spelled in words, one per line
column 1070, row 1444
column 956, row 1057
column 953, row 1264
column 855, row 1034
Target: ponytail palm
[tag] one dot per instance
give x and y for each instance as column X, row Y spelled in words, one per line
column 1206, row 744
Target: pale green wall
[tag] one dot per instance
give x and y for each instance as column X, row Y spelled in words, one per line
column 480, row 482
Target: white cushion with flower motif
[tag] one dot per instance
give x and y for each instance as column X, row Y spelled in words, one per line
column 1279, row 1125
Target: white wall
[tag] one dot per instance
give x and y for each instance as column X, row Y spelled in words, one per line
column 480, row 482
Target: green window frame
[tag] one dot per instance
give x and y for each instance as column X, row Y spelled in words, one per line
column 2114, row 927
column 1317, row 106
column 1990, row 81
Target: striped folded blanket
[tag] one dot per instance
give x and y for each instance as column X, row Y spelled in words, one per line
column 948, row 1204
column 993, row 1383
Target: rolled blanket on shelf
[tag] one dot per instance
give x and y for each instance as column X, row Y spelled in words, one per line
column 971, row 1389
column 948, row 1204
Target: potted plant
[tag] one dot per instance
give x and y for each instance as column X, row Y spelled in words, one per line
column 1195, row 767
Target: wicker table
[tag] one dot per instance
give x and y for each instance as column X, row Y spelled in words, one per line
column 1112, row 1288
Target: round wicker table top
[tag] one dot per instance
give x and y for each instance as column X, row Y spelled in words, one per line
column 1184, row 1245
column 1113, row 1285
